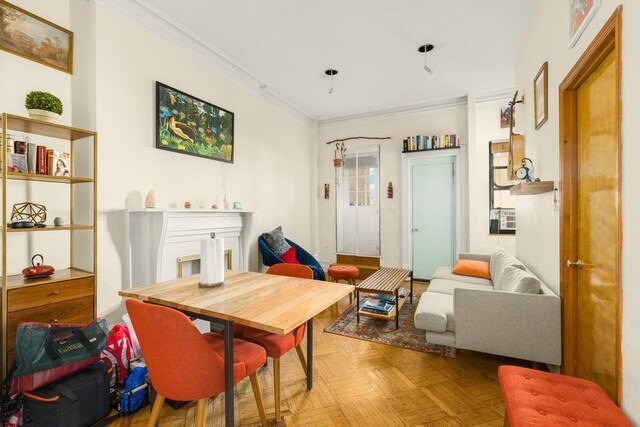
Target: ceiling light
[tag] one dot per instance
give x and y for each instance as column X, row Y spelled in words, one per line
column 331, row 72
column 424, row 49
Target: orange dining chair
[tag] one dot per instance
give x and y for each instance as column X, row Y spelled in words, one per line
column 186, row 365
column 278, row 345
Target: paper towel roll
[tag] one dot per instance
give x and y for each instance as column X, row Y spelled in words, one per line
column 212, row 262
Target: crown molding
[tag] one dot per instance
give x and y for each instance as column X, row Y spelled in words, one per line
column 396, row 111
column 143, row 13
column 495, row 95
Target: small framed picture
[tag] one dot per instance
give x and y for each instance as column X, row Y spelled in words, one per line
column 540, row 95
column 505, row 118
column 581, row 12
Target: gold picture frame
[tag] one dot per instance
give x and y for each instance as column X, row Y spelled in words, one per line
column 541, row 96
column 32, row 37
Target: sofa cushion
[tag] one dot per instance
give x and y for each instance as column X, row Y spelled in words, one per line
column 276, row 241
column 445, row 286
column 500, row 259
column 520, row 281
column 447, row 274
column 434, row 312
column 473, row 268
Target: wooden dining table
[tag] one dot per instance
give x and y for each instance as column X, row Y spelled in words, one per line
column 276, row 304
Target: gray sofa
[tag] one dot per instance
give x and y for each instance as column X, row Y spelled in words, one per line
column 513, row 315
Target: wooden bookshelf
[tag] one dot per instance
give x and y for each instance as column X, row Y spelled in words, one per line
column 50, row 228
column 49, row 178
column 430, row 149
column 19, row 281
column 69, row 295
column 531, row 188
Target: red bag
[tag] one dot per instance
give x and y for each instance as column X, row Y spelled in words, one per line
column 118, row 353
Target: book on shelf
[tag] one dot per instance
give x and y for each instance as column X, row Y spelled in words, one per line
column 17, row 163
column 430, row 142
column 41, row 160
column 380, row 305
column 32, row 157
column 58, row 163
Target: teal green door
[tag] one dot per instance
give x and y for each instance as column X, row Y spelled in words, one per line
column 433, row 215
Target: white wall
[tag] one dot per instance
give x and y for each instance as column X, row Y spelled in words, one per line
column 538, row 224
column 487, row 128
column 450, row 120
column 270, row 174
column 118, row 61
column 19, row 76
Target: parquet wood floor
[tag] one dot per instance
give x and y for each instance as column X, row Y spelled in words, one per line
column 359, row 383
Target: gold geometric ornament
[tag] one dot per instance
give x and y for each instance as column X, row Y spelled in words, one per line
column 31, row 211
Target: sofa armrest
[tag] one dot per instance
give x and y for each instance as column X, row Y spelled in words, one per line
column 475, row 257
column 524, row 326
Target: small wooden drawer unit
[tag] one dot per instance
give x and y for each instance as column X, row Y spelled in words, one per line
column 36, row 296
column 71, row 300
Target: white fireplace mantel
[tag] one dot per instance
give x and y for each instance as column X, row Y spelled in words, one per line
column 158, row 237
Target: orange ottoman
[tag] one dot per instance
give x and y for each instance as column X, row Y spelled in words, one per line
column 344, row 272
column 536, row 398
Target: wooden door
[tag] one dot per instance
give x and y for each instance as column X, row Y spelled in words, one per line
column 590, row 221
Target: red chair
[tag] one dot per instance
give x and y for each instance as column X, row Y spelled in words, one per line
column 278, row 345
column 186, row 365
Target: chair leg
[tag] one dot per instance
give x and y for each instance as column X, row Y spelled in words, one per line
column 302, row 359
column 255, row 385
column 276, row 386
column 155, row 412
column 201, row 412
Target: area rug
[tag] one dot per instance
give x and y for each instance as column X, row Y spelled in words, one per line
column 384, row 331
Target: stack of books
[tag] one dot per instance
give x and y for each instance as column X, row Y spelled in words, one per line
column 380, row 305
column 433, row 142
column 28, row 157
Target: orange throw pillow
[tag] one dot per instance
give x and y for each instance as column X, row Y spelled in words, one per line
column 469, row 267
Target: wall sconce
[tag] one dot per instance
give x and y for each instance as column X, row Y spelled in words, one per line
column 326, row 191
column 390, row 191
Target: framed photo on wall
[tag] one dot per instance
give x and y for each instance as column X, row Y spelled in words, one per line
column 188, row 125
column 581, row 12
column 29, row 36
column 541, row 95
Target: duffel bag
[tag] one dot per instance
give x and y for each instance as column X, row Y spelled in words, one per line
column 79, row 400
column 48, row 352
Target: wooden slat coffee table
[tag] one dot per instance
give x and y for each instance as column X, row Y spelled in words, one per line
column 385, row 281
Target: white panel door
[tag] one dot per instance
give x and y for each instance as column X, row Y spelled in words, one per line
column 433, row 215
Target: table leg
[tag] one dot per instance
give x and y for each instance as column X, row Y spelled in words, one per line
column 397, row 311
column 228, row 373
column 357, row 306
column 309, row 354
column 411, row 288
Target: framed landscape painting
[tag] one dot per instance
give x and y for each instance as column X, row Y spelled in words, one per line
column 581, row 12
column 29, row 36
column 189, row 125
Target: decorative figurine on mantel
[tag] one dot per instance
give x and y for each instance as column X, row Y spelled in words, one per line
column 227, row 205
column 214, row 206
column 150, row 200
column 187, row 205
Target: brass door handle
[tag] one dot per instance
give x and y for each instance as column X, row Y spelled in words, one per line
column 578, row 264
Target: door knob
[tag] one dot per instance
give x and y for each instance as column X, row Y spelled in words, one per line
column 413, row 230
column 578, row 264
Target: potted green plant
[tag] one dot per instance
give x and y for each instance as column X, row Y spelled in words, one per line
column 342, row 150
column 43, row 106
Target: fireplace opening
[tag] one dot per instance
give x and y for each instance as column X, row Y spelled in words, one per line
column 190, row 264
